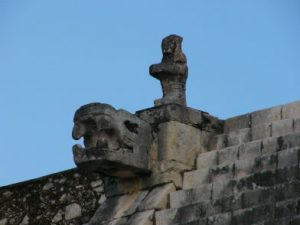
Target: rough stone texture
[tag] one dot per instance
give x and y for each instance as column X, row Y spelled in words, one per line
column 282, row 127
column 190, row 196
column 69, row 197
column 228, row 155
column 261, row 131
column 250, row 150
column 172, row 72
column 207, row 159
column 72, row 211
column 179, row 113
column 117, row 207
column 236, row 123
column 142, row 218
column 179, row 142
column 158, row 198
column 266, row 115
column 116, row 142
column 248, row 167
column 291, row 110
column 195, row 178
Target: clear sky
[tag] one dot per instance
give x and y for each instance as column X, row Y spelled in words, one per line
column 58, row 55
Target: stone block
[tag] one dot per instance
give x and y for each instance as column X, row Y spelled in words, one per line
column 119, row 221
column 222, row 173
column 186, row 115
column 291, row 110
column 219, row 219
column 158, row 198
column 117, row 207
column 228, row 155
column 197, row 222
column 239, row 136
column 219, row 141
column 115, row 186
column 179, row 142
column 288, row 141
column 297, row 125
column 266, row 115
column 269, row 145
column 191, row 196
column 290, row 190
column 72, row 211
column 286, row 208
column 221, row 190
column 142, row 218
column 282, row 127
column 252, row 215
column 287, row 174
column 195, row 178
column 261, row 131
column 250, row 150
column 185, row 214
column 207, row 159
column 236, row 123
column 257, row 197
column 279, row 221
column 288, row 157
column 245, row 167
column 268, row 162
column 230, row 203
column 163, row 178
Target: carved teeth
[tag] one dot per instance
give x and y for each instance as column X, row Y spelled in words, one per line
column 77, row 147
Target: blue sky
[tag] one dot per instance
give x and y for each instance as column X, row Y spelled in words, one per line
column 58, row 55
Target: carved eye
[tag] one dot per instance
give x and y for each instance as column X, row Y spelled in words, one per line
column 132, row 127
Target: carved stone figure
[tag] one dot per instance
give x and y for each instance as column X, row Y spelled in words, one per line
column 172, row 72
column 116, row 142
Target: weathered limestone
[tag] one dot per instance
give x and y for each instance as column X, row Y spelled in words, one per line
column 158, row 198
column 172, row 72
column 261, row 131
column 236, row 123
column 182, row 114
column 266, row 115
column 179, row 142
column 72, row 211
column 142, row 218
column 116, row 142
column 62, row 198
column 117, row 207
column 170, row 165
column 291, row 110
column 282, row 127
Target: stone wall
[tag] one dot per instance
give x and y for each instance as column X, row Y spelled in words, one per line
column 65, row 198
column 244, row 170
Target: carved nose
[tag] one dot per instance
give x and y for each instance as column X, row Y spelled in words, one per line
column 77, row 132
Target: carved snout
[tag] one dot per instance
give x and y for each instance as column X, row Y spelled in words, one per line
column 78, row 131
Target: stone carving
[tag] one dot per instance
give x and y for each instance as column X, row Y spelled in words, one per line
column 172, row 72
column 116, row 142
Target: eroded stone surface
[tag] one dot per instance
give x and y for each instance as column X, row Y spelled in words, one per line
column 72, row 211
column 62, row 198
column 142, row 218
column 158, row 198
column 117, row 207
column 172, row 71
column 116, row 142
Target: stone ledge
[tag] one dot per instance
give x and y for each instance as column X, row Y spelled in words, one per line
column 182, row 114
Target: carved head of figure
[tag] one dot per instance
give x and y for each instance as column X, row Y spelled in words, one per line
column 171, row 49
column 116, row 142
column 95, row 123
